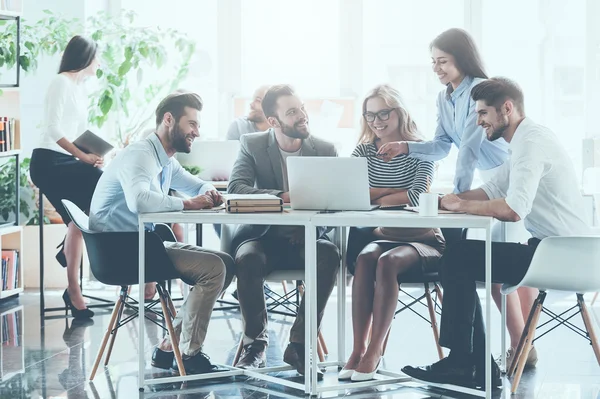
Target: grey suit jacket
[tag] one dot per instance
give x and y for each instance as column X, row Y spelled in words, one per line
column 258, row 170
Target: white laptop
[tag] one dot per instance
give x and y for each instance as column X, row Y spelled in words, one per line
column 329, row 183
column 214, row 158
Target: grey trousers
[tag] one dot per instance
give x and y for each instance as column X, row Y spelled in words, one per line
column 212, row 272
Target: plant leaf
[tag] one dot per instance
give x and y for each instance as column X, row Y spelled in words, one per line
column 124, row 68
column 106, row 102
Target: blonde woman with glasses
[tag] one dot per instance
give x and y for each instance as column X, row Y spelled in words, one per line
column 385, row 253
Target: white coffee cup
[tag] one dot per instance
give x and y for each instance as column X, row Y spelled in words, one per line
column 428, row 204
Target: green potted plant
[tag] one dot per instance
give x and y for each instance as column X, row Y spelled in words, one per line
column 8, row 193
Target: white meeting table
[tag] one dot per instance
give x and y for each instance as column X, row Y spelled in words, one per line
column 311, row 220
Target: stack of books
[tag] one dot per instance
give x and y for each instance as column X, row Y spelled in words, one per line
column 7, row 134
column 250, row 203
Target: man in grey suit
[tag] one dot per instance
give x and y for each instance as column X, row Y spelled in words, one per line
column 261, row 168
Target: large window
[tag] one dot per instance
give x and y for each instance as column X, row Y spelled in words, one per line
column 339, row 49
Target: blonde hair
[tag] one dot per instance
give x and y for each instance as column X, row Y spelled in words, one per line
column 408, row 128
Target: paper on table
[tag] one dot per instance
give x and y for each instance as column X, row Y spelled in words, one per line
column 440, row 211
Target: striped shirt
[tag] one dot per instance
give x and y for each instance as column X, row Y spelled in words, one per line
column 402, row 172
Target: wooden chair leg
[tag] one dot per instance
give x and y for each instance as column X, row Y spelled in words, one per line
column 519, row 349
column 169, row 322
column 238, row 353
column 589, row 326
column 594, row 299
column 111, row 324
column 433, row 319
column 323, row 344
column 123, row 298
column 284, row 286
column 171, row 307
column 526, row 348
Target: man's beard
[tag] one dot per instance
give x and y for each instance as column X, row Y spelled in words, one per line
column 499, row 131
column 293, row 131
column 179, row 140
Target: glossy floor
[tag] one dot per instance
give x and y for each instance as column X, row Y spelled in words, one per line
column 53, row 358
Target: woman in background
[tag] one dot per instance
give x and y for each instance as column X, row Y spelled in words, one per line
column 61, row 170
column 389, row 252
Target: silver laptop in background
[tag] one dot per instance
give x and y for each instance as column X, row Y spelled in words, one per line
column 215, row 158
column 329, row 183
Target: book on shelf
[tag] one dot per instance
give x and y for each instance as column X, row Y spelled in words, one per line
column 10, row 269
column 7, row 133
column 252, row 200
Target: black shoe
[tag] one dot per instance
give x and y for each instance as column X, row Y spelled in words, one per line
column 294, row 356
column 197, row 364
column 77, row 313
column 446, row 371
column 162, row 359
column 496, row 375
column 60, row 256
column 253, row 356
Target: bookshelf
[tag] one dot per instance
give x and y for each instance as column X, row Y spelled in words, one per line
column 11, row 233
column 12, row 353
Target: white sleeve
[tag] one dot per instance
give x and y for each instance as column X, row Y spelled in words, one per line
column 527, row 171
column 497, row 187
column 135, row 178
column 56, row 97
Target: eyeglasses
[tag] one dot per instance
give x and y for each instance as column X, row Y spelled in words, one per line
column 383, row 115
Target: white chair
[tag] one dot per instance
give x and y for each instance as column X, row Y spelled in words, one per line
column 565, row 264
column 290, row 300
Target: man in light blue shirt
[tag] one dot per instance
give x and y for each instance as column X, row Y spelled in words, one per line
column 138, row 181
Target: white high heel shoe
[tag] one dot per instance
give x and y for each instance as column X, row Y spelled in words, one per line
column 345, row 374
column 358, row 376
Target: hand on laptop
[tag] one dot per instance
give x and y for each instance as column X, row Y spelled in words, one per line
column 203, row 201
column 450, row 202
column 216, row 197
column 390, row 150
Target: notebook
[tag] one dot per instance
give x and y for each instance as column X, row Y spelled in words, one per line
column 90, row 143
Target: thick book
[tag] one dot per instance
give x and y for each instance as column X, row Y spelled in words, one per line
column 90, row 143
column 253, row 200
column 254, row 209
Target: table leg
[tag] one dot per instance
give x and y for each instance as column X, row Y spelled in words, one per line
column 488, row 310
column 142, row 279
column 310, row 309
column 341, row 243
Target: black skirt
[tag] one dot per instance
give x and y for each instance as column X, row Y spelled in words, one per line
column 60, row 176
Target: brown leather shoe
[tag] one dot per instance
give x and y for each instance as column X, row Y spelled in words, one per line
column 253, row 356
column 294, row 356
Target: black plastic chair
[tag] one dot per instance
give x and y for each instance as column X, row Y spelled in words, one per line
column 114, row 261
column 429, row 280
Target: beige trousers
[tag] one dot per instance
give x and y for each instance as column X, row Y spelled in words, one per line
column 211, row 272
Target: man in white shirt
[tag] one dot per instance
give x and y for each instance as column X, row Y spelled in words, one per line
column 537, row 184
column 137, row 181
column 254, row 122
